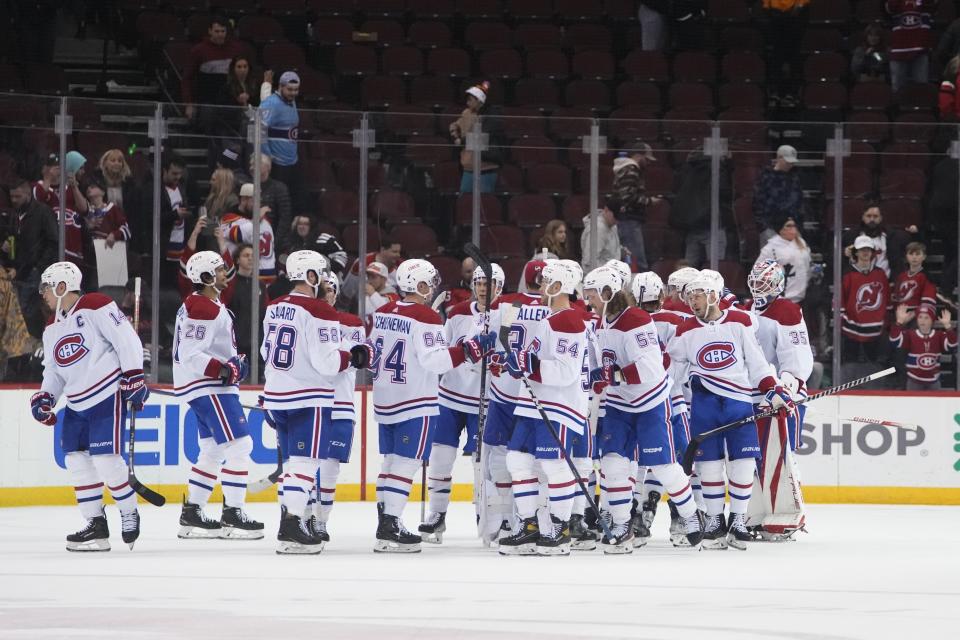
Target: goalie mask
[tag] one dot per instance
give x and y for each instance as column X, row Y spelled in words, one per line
column 766, row 282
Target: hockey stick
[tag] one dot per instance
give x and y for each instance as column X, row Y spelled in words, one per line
column 479, row 476
column 148, row 494
column 690, row 453
column 171, row 394
column 504, row 339
column 883, row 423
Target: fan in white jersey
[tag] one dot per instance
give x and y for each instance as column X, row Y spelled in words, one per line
column 650, row 294
column 782, row 333
column 207, row 371
column 410, row 354
column 93, row 358
column 637, row 418
column 553, row 366
column 459, row 396
column 302, row 354
column 724, row 365
column 337, row 436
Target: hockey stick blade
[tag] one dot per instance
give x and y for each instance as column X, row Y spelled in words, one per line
column 146, row 492
column 883, row 423
column 270, row 480
column 690, row 453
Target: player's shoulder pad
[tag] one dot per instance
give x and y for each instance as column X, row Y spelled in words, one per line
column 736, row 316
column 315, row 306
column 567, row 321
column 669, row 317
column 688, row 324
column 464, row 308
column 93, row 301
column 201, row 307
column 632, row 318
column 785, row 312
column 349, row 320
column 419, row 312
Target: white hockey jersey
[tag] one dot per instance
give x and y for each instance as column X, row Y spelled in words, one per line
column 352, row 333
column 723, row 355
column 301, row 352
column 782, row 333
column 411, row 354
column 239, row 230
column 667, row 322
column 630, row 340
column 560, row 342
column 523, row 329
column 86, row 352
column 459, row 387
column 202, row 342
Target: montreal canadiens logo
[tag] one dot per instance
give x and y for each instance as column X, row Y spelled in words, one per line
column 870, row 296
column 928, row 361
column 716, row 356
column 69, row 349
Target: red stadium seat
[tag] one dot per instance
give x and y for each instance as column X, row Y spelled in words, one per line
column 505, row 64
column 647, row 66
column 821, row 40
column 868, row 11
column 510, row 180
column 411, row 120
column 870, row 96
column 446, row 177
column 901, row 212
column 392, row 205
column 743, row 66
column 902, row 183
column 351, row 235
column 332, row 32
column 536, row 92
column 917, row 97
column 868, row 126
column 522, row 122
column 574, row 208
column 724, row 11
column 531, row 10
column 528, row 151
column 689, row 95
column 588, row 94
column 635, row 122
column 383, row 8
column 551, row 179
column 547, row 63
column 532, row 36
column 355, row 60
column 905, row 155
column 857, row 183
column 503, row 241
column 348, row 175
column 417, row 240
column 594, row 65
column 734, row 276
column 429, row 151
column 491, row 211
column 380, row 92
column 339, row 207
column 695, row 66
column 659, row 179
column 914, row 127
column 826, row 96
column 260, row 29
column 604, row 181
column 739, row 38
column 433, row 9
column 825, row 67
column 154, row 26
column 483, row 36
column 531, row 210
column 283, row 55
column 402, row 61
column 429, row 34
column 741, row 94
column 572, row 11
column 513, row 271
column 448, row 267
column 451, row 63
column 639, row 94
column 485, row 9
column 389, row 32
column 314, row 86
column 570, row 123
column 318, row 175
column 585, row 36
column 829, row 12
column 431, row 91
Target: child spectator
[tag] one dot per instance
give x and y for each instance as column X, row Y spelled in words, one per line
column 864, row 301
column 105, row 219
column 923, row 345
column 870, row 61
column 912, row 287
column 379, row 291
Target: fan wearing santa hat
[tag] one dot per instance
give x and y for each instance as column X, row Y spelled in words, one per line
column 476, row 97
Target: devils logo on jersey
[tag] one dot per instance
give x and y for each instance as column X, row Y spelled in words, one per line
column 869, row 297
column 69, row 350
column 716, row 356
column 906, row 290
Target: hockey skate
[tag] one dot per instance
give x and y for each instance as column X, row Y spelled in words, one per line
column 94, row 537
column 195, row 524
column 715, row 533
column 555, row 542
column 678, row 537
column 235, row 525
column 434, row 526
column 692, row 529
column 318, row 528
column 505, row 531
column 737, row 534
column 294, row 537
column 130, row 523
column 622, row 540
column 524, row 541
column 581, row 538
column 393, row 537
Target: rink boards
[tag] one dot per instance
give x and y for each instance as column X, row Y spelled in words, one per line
column 841, row 459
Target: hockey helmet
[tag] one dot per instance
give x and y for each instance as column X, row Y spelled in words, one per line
column 333, row 282
column 647, row 287
column 677, row 280
column 766, row 282
column 498, row 276
column 203, row 263
column 621, row 268
column 65, row 272
column 601, row 278
column 556, row 271
column 411, row 273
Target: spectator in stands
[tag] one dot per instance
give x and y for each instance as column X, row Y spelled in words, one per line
column 461, row 127
column 173, row 219
column 206, row 72
column 463, row 290
column 388, row 255
column 778, row 193
column 913, row 287
column 608, row 239
column 889, row 243
column 692, row 207
column 47, row 189
column 328, row 245
column 631, row 195
column 911, row 41
column 786, row 21
column 924, row 345
column 379, row 291
column 238, row 229
column 871, row 60
column 115, row 175
column 222, row 198
column 204, row 226
column 15, row 339
column 653, row 24
column 237, row 95
column 948, row 102
column 301, row 236
column 554, row 239
column 793, row 254
column 275, row 195
column 31, row 249
column 241, row 300
column 105, row 219
column 279, row 113
column 864, row 303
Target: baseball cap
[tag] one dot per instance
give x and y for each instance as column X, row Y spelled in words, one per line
column 531, row 272
column 927, row 309
column 864, row 242
column 643, row 149
column 229, row 159
column 787, row 152
column 289, row 77
column 378, row 268
column 52, row 160
column 246, row 191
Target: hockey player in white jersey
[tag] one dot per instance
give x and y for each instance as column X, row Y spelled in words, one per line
column 782, row 333
column 637, row 415
column 676, row 282
column 553, row 366
column 336, row 439
column 410, row 353
column 302, row 353
column 93, row 358
column 206, row 373
column 459, row 400
column 650, row 294
column 725, row 364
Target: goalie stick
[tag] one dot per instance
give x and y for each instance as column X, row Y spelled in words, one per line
column 148, row 494
column 690, row 453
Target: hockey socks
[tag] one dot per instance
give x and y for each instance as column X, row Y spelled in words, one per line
column 397, row 484
column 563, row 488
column 740, row 475
column 616, row 485
column 326, row 488
column 298, row 482
column 233, row 478
column 86, row 483
column 677, row 485
column 439, row 478
column 113, row 472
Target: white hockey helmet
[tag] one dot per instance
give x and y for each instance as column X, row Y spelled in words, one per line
column 574, row 267
column 677, row 280
column 766, row 282
column 708, row 281
column 622, row 268
column 647, row 287
column 203, row 263
column 498, row 276
column 65, row 272
column 601, row 278
column 557, row 271
column 332, row 281
column 411, row 273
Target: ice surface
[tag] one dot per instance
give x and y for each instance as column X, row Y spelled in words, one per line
column 862, row 572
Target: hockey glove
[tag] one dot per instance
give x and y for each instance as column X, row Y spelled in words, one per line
column 794, row 387
column 602, row 377
column 478, row 346
column 133, row 388
column 361, row 355
column 497, row 361
column 778, row 398
column 235, row 370
column 41, row 405
column 522, row 363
